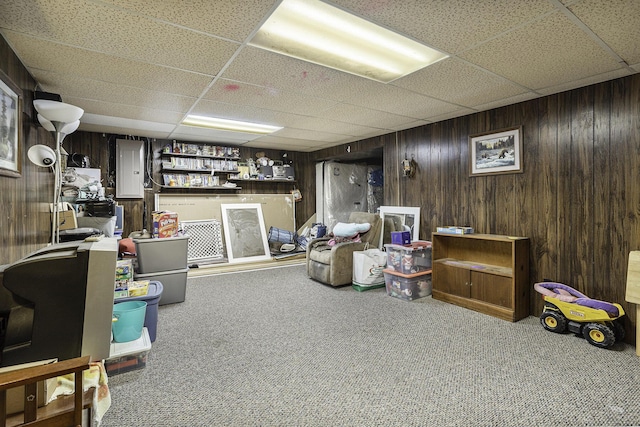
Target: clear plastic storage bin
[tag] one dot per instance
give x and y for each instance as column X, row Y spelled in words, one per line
column 409, row 259
column 407, row 286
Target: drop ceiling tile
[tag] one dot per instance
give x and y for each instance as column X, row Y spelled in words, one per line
column 585, row 82
column 231, row 19
column 185, row 132
column 410, row 125
column 205, row 107
column 506, row 101
column 291, row 132
column 397, row 100
column 548, row 52
column 43, row 19
column 233, row 92
column 365, row 117
column 471, row 85
column 333, row 126
column 126, row 111
column 123, row 130
column 78, row 87
column 616, row 22
column 102, row 28
column 452, row 25
column 123, row 125
column 42, row 54
column 268, row 141
column 272, row 70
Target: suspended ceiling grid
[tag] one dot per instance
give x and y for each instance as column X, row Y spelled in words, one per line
column 137, row 67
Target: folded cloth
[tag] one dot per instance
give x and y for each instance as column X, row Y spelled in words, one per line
column 342, row 229
column 334, row 241
column 95, row 376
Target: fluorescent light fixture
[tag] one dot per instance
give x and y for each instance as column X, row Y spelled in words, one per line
column 316, row 32
column 228, row 125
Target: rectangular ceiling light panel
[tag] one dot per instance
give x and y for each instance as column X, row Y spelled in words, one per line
column 316, row 32
column 228, row 125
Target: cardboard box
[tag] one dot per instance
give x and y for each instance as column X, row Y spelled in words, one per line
column 66, row 216
column 165, row 224
column 455, row 230
column 400, row 237
column 120, row 293
column 138, row 288
column 15, row 396
column 124, row 270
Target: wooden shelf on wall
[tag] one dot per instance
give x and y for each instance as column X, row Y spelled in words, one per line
column 217, row 187
column 266, row 180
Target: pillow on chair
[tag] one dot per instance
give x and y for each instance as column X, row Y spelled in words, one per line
column 342, row 229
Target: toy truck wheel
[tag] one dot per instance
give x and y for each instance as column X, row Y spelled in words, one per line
column 599, row 335
column 618, row 330
column 553, row 321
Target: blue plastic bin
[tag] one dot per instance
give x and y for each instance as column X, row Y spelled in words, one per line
column 152, row 298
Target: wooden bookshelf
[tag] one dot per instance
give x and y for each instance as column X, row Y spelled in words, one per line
column 487, row 273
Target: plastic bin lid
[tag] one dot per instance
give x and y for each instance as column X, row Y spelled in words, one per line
column 163, row 239
column 155, row 291
column 142, row 344
column 406, row 276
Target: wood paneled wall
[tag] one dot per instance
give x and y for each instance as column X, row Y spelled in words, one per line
column 24, row 211
column 578, row 199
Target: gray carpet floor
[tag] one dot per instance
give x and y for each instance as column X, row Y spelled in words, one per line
column 274, row 348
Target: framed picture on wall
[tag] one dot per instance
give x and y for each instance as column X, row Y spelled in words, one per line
column 244, row 232
column 10, row 127
column 496, row 152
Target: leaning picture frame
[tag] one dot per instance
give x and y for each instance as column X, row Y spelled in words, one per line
column 10, row 127
column 244, row 232
column 403, row 218
column 496, row 152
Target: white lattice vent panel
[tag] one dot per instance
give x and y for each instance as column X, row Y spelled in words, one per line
column 205, row 239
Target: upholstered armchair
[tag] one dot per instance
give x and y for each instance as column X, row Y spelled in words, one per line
column 333, row 265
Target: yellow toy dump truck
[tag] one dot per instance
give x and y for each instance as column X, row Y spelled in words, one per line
column 566, row 309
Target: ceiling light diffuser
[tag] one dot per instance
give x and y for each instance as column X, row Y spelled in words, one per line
column 228, row 125
column 316, row 32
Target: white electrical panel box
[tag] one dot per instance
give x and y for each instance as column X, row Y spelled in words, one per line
column 129, row 169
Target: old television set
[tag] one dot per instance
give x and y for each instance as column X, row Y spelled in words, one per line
column 57, row 302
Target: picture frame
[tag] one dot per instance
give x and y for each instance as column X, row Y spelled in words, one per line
column 496, row 152
column 10, row 127
column 409, row 217
column 244, row 232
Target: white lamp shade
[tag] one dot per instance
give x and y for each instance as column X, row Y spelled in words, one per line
column 46, row 123
column 70, row 127
column 41, row 155
column 55, row 111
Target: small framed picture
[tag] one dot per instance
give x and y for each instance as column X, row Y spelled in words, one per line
column 496, row 152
